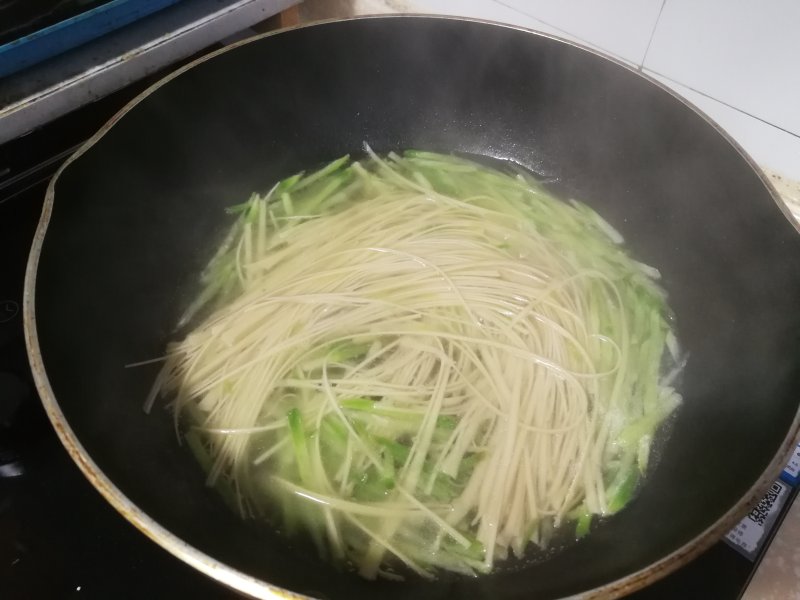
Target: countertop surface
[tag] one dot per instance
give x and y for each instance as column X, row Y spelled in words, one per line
column 778, row 575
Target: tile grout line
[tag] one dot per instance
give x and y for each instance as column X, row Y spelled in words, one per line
column 564, row 32
column 522, row 12
column 739, row 110
column 641, row 68
column 652, row 34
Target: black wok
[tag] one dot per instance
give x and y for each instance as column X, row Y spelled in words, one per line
column 134, row 215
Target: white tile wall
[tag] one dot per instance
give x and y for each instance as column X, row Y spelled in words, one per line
column 620, row 27
column 737, row 60
column 486, row 9
column 767, row 144
column 745, row 53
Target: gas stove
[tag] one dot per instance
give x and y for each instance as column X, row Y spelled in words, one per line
column 60, row 539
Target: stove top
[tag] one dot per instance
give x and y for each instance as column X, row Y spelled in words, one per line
column 58, row 536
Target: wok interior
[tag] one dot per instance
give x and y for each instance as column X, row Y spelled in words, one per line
column 138, row 214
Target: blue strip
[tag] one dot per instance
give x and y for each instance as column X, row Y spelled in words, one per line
column 790, row 479
column 791, row 474
column 70, row 33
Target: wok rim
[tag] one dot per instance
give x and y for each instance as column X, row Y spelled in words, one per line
column 258, row 588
